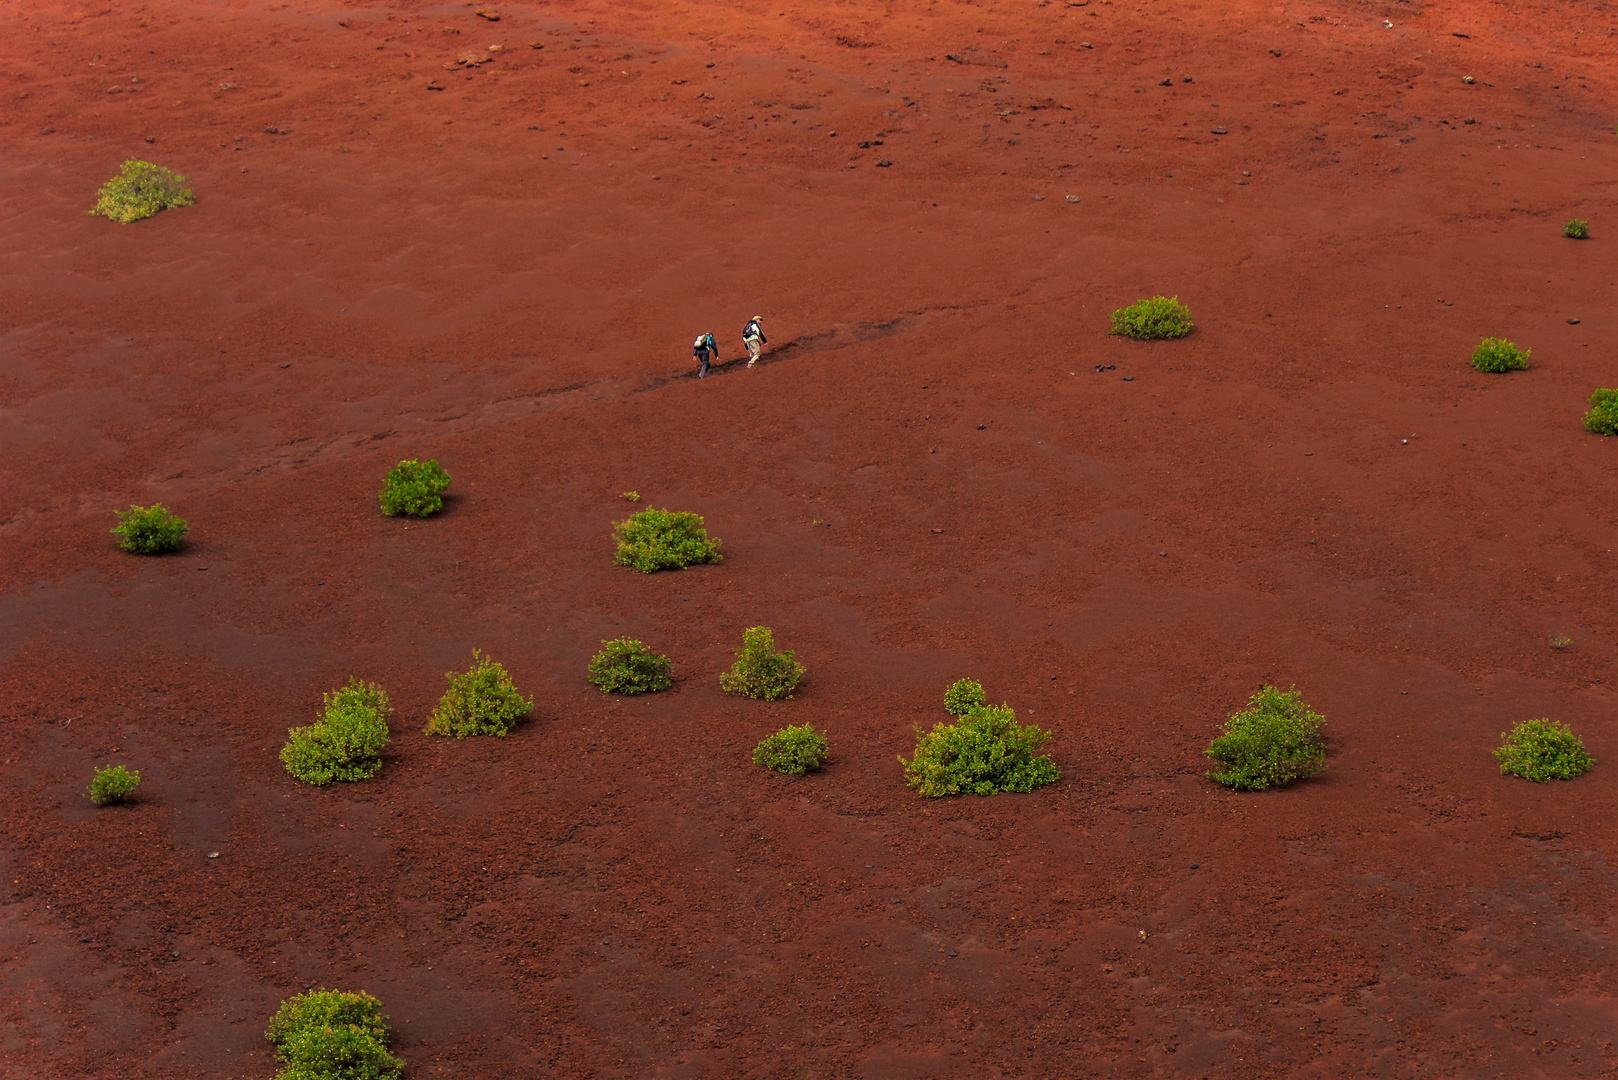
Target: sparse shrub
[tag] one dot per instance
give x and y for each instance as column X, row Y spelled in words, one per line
column 631, row 496
column 346, row 744
column 1560, row 641
column 1271, row 743
column 149, row 530
column 140, row 190
column 963, row 696
column 1149, row 320
column 483, row 701
column 1541, row 750
column 983, row 752
column 1603, row 415
column 794, row 750
column 1576, row 230
column 626, row 666
column 414, row 488
column 113, row 785
column 332, row 1035
column 1497, row 354
column 663, row 540
column 759, row 671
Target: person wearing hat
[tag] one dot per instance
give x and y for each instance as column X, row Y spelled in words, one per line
column 753, row 337
column 704, row 349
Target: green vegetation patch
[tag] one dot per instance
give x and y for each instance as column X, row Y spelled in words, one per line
column 1497, row 354
column 759, row 671
column 113, row 785
column 415, row 489
column 663, row 540
column 1271, row 743
column 1603, row 415
column 481, row 701
column 1577, row 229
column 346, row 743
column 625, row 666
column 983, row 752
column 140, row 190
column 963, row 696
column 1541, row 750
column 794, row 750
column 332, row 1035
column 1153, row 319
column 149, row 530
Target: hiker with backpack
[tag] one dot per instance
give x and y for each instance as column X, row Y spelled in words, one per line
column 753, row 337
column 704, row 349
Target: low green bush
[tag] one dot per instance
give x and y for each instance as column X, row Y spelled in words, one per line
column 113, row 785
column 1153, row 319
column 985, row 751
column 663, row 540
column 346, row 743
column 1497, row 354
column 1271, row 743
column 414, row 488
column 482, row 701
column 759, row 671
column 794, row 750
column 1576, row 230
column 626, row 666
column 1541, row 750
column 140, row 190
column 149, row 530
column 963, row 696
column 1603, row 415
column 332, row 1035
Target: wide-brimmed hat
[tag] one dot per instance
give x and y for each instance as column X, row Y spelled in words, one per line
column 758, row 318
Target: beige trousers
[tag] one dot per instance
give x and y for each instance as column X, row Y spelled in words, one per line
column 753, row 346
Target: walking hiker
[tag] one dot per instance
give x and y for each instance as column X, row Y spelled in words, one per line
column 704, row 349
column 753, row 337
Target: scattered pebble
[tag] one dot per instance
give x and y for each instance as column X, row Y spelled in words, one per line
column 1468, row 80
column 1129, row 378
column 213, row 854
column 1072, row 198
column 1573, row 322
column 884, row 163
column 488, row 13
column 982, row 427
column 1039, row 198
column 286, row 365
column 1275, row 52
column 1218, row 131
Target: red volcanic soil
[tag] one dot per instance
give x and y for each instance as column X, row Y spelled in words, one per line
column 935, row 206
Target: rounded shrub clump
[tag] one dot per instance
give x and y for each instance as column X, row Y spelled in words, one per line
column 149, row 530
column 759, row 671
column 345, row 744
column 1541, row 750
column 963, row 696
column 1271, row 743
column 140, row 190
column 332, row 1035
column 1603, row 415
column 1497, row 354
column 414, row 488
column 626, row 666
column 481, row 702
column 663, row 540
column 1150, row 320
column 794, row 750
column 983, row 752
column 1576, row 230
column 113, row 785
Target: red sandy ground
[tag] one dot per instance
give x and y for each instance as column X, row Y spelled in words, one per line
column 926, row 479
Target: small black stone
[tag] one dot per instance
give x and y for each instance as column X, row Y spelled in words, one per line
column 982, row 427
column 1196, row 866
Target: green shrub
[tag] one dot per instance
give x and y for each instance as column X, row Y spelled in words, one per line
column 414, row 489
column 346, row 744
column 983, row 752
column 113, row 785
column 1149, row 320
column 140, row 190
column 963, row 696
column 148, row 530
column 1603, row 415
column 1497, row 354
column 626, row 666
column 1271, row 743
column 759, row 671
column 332, row 1035
column 1541, row 750
column 1576, row 230
column 481, row 702
column 631, row 496
column 663, row 540
column 793, row 750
